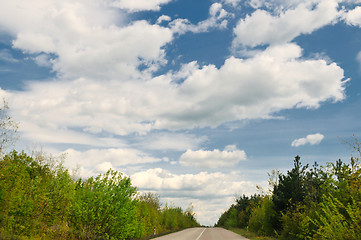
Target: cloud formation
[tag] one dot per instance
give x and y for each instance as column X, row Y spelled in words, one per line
column 264, row 28
column 95, row 161
column 253, row 88
column 208, row 192
column 82, row 39
column 217, row 19
column 229, row 157
column 312, row 139
column 353, row 17
column 139, row 5
column 201, row 185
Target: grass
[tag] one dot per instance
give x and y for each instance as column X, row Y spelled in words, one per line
column 250, row 235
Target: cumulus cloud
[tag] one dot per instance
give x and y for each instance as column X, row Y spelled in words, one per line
column 230, row 156
column 263, row 27
column 163, row 18
column 95, row 161
column 201, row 185
column 353, row 17
column 100, row 89
column 140, row 5
column 217, row 19
column 253, row 88
column 83, row 39
column 312, row 139
column 208, row 192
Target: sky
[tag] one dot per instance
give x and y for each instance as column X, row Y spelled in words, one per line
column 195, row 100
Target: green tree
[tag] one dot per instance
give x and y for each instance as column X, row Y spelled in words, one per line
column 15, row 202
column 291, row 189
column 336, row 220
column 263, row 217
column 148, row 215
column 105, row 206
column 35, row 199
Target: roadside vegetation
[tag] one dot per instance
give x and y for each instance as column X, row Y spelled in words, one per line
column 40, row 199
column 250, row 235
column 318, row 202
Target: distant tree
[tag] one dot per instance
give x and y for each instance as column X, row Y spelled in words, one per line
column 290, row 189
column 151, row 199
column 8, row 128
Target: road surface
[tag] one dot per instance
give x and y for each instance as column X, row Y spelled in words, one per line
column 203, row 234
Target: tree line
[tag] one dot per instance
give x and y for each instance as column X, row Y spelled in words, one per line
column 318, row 202
column 40, row 199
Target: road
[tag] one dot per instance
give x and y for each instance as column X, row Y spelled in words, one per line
column 203, row 234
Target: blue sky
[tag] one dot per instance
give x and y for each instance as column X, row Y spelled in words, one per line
column 195, row 100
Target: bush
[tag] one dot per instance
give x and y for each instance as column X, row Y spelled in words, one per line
column 263, row 217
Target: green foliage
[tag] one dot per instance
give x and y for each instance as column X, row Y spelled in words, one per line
column 295, row 224
column 105, row 206
column 148, row 214
column 232, row 218
column 338, row 221
column 40, row 200
column 306, row 203
column 263, row 217
column 35, row 199
column 238, row 214
column 291, row 189
column 154, row 218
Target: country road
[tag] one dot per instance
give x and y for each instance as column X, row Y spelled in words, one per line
column 203, row 234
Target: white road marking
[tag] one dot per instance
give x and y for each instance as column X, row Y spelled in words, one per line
column 200, row 234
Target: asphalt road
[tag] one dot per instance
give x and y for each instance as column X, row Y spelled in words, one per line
column 203, row 234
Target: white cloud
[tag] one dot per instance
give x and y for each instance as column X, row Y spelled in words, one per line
column 217, row 19
column 229, row 157
column 207, row 211
column 100, row 90
column 140, row 5
column 95, row 161
column 43, row 60
column 353, row 17
column 263, row 27
column 85, row 39
column 163, row 18
column 202, row 185
column 253, row 88
column 210, row 193
column 312, row 139
column 104, row 167
column 47, row 17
